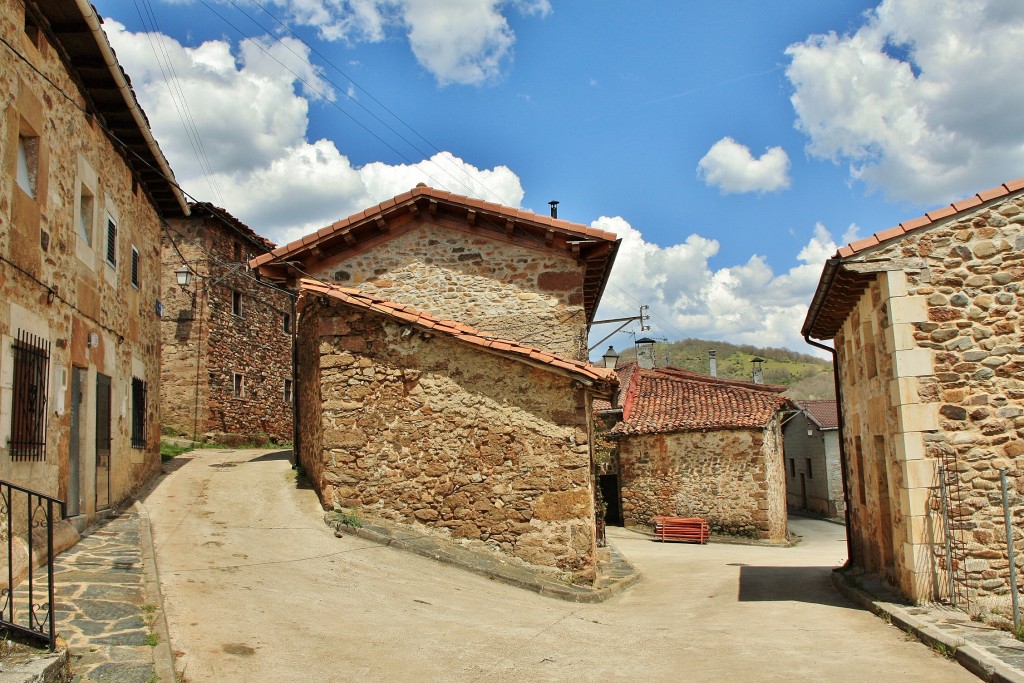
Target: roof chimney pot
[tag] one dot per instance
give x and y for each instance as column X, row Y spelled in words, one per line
column 554, row 208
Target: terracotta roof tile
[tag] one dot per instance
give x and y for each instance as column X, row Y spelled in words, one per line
column 890, row 233
column 1014, row 185
column 914, row 223
column 605, row 379
column 939, row 214
column 660, row 402
column 968, row 203
column 823, row 413
column 860, row 245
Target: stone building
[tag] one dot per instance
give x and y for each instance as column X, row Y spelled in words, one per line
column 419, row 419
column 83, row 190
column 814, row 481
column 227, row 338
column 512, row 273
column 925, row 321
column 690, row 445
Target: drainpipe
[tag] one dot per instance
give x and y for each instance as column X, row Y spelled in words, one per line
column 295, row 386
column 842, row 443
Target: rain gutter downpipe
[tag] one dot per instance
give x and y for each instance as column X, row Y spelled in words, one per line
column 831, row 270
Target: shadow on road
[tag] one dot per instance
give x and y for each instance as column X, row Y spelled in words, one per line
column 276, row 455
column 797, row 584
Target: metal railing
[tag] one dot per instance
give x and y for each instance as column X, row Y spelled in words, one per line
column 21, row 602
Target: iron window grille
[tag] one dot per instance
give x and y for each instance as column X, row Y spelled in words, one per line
column 138, row 413
column 28, row 397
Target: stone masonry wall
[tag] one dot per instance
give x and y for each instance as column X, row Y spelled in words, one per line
column 875, row 479
column 731, row 478
column 514, row 292
column 961, row 312
column 56, row 283
column 422, row 429
column 817, row 478
column 253, row 344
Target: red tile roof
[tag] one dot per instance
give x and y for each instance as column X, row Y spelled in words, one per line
column 595, row 249
column 823, row 412
column 604, row 379
column 825, row 316
column 698, row 377
column 657, row 401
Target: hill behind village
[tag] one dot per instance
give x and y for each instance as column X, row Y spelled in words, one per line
column 804, row 375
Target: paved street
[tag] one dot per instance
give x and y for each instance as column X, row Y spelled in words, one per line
column 256, row 587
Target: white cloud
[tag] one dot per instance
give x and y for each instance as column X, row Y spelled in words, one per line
column 731, row 168
column 466, row 42
column 744, row 304
column 916, row 100
column 260, row 166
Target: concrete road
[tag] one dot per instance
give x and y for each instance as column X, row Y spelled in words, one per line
column 256, row 588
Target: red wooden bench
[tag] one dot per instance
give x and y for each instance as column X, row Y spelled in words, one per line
column 686, row 529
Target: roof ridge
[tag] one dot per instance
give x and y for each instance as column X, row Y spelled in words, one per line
column 930, row 217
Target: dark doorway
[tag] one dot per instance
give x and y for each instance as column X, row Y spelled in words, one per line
column 102, row 442
column 609, row 484
column 79, row 377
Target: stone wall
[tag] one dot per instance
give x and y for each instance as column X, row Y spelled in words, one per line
column 731, row 478
column 200, row 393
column 420, row 428
column 56, row 283
column 952, row 330
column 530, row 295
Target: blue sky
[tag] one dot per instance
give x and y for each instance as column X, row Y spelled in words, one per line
column 733, row 145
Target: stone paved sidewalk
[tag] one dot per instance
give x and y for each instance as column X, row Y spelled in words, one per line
column 108, row 604
column 989, row 653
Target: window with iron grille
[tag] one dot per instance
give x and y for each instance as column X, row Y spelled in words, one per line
column 138, row 413
column 28, row 397
column 111, row 241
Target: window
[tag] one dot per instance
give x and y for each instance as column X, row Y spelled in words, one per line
column 287, row 323
column 238, row 252
column 236, row 303
column 792, row 467
column 135, row 267
column 287, row 391
column 138, row 413
column 238, row 385
column 111, row 241
column 810, row 472
column 85, row 212
column 28, row 163
column 32, row 30
column 28, row 397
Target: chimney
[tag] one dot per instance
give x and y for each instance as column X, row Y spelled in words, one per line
column 554, row 208
column 758, row 374
column 712, row 363
column 645, row 353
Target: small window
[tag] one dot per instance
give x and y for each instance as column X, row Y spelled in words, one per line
column 28, row 397
column 28, row 163
column 238, row 385
column 236, row 303
column 287, row 323
column 138, row 413
column 792, row 467
column 111, row 241
column 810, row 471
column 135, row 267
column 86, row 202
column 287, row 391
column 238, row 252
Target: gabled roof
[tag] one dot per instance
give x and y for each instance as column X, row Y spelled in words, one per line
column 601, row 380
column 83, row 47
column 698, row 377
column 596, row 249
column 200, row 209
column 838, row 289
column 822, row 412
column 656, row 401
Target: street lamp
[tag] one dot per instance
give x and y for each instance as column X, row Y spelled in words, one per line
column 611, row 357
column 184, row 276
